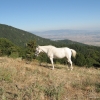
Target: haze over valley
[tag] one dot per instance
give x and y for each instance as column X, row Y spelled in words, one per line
column 83, row 36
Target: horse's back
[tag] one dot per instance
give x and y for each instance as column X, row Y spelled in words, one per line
column 59, row 52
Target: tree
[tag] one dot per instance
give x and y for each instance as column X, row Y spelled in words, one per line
column 30, row 50
column 80, row 60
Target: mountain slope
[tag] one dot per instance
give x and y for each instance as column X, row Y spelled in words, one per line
column 20, row 37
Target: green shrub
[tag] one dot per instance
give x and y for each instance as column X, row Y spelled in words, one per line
column 5, row 75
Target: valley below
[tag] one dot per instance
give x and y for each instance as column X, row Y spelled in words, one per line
column 86, row 37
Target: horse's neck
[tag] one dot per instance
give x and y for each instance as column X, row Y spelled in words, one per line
column 44, row 48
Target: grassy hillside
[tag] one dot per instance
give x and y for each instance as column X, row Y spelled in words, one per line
column 22, row 81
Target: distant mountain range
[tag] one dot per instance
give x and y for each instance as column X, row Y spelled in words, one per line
column 83, row 36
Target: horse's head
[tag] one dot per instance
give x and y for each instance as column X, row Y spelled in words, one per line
column 38, row 50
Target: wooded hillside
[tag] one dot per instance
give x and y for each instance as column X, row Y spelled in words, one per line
column 18, row 43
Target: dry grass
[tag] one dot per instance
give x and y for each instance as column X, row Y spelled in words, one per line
column 20, row 80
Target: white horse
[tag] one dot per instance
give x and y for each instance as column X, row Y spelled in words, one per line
column 54, row 52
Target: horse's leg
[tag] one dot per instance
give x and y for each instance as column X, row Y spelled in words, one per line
column 51, row 59
column 70, row 62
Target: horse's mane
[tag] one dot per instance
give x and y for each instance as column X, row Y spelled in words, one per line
column 52, row 46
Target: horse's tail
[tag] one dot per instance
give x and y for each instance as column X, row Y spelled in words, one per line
column 73, row 53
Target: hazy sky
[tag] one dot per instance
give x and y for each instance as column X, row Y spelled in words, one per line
column 41, row 15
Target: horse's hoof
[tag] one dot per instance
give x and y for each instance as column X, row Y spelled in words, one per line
column 52, row 68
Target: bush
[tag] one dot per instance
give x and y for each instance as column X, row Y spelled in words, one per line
column 80, row 60
column 8, row 48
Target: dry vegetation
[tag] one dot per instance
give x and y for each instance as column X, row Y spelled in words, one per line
column 30, row 81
